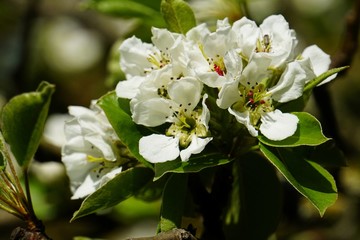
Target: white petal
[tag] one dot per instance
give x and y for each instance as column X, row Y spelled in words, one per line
column 244, row 118
column 274, row 23
column 129, row 88
column 157, row 148
column 233, row 65
column 77, row 167
column 228, row 95
column 134, row 54
column 255, row 71
column 205, row 114
column 110, row 175
column 87, row 187
column 196, row 146
column 72, row 129
column 152, row 112
column 277, row 125
column 162, row 38
column 291, row 83
column 246, row 34
column 78, row 111
column 185, row 91
column 211, row 79
column 198, row 33
column 218, row 43
column 320, row 61
column 100, row 144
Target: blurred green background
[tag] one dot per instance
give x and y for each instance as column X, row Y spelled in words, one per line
column 70, row 44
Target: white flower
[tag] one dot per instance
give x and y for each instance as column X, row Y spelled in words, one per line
column 90, row 152
column 161, row 94
column 217, row 62
column 250, row 99
column 272, row 39
column 138, row 59
column 187, row 135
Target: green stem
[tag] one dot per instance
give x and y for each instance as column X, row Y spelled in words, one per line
column 28, row 194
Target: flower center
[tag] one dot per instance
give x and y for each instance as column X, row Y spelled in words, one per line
column 217, row 65
column 163, row 92
column 186, row 125
column 104, row 165
column 264, row 44
column 254, row 99
column 158, row 60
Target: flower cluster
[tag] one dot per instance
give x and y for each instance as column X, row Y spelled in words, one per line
column 247, row 69
column 92, row 154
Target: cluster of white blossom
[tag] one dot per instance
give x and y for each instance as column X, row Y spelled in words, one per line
column 254, row 69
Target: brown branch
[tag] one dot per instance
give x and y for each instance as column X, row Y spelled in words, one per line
column 175, row 234
column 20, row 233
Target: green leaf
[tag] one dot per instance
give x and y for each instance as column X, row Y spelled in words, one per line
column 152, row 191
column 256, row 200
column 124, row 9
column 195, row 164
column 121, row 187
column 178, row 15
column 308, row 133
column 328, row 155
column 23, row 119
column 307, row 177
column 117, row 112
column 173, row 202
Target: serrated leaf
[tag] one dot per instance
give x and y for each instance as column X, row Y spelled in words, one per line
column 307, row 177
column 23, row 120
column 255, row 201
column 178, row 15
column 308, row 133
column 195, row 164
column 121, row 187
column 173, row 202
column 116, row 110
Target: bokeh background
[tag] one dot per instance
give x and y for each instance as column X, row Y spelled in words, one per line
column 75, row 47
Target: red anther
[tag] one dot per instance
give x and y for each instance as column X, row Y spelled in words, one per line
column 218, row 70
column 250, row 94
column 262, row 101
column 251, row 100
